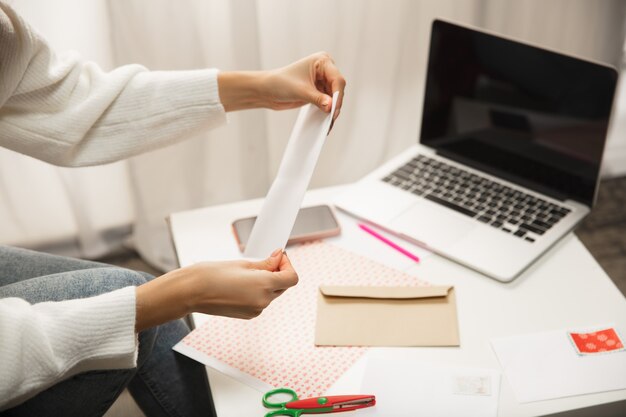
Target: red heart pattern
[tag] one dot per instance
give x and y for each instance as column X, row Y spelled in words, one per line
column 278, row 346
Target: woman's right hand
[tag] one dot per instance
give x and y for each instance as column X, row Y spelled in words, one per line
column 240, row 289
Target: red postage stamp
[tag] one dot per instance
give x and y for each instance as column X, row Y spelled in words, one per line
column 601, row 341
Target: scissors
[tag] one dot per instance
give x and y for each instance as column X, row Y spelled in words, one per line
column 317, row 405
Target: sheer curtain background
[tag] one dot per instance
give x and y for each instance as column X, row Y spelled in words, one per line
column 380, row 46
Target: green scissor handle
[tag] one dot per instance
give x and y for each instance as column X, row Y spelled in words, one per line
column 283, row 411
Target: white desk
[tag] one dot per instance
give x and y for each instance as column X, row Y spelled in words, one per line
column 545, row 297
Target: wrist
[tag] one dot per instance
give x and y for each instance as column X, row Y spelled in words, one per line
column 241, row 90
column 168, row 297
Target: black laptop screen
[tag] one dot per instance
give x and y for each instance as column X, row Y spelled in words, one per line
column 534, row 117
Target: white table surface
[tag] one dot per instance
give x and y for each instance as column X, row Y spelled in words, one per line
column 548, row 296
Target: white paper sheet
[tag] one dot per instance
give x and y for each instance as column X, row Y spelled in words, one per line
column 542, row 366
column 409, row 389
column 220, row 366
column 278, row 214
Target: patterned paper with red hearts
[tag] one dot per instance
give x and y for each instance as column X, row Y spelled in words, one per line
column 278, row 347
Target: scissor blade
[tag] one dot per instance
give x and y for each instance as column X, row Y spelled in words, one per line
column 360, row 403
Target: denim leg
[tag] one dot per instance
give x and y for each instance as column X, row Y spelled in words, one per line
column 17, row 264
column 70, row 285
column 170, row 384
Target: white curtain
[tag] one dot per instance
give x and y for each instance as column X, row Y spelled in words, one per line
column 380, row 46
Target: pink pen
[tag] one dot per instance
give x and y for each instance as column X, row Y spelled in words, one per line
column 388, row 242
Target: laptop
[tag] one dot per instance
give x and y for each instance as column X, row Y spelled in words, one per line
column 508, row 157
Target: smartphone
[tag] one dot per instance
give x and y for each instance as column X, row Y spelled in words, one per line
column 312, row 223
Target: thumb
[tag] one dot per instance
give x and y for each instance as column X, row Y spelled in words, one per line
column 321, row 100
column 269, row 264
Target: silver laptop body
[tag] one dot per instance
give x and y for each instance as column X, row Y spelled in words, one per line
column 508, row 158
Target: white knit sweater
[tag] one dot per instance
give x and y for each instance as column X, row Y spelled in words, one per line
column 68, row 112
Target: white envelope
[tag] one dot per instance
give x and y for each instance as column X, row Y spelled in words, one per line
column 542, row 366
column 410, row 389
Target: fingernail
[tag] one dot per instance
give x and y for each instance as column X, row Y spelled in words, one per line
column 325, row 103
column 276, row 252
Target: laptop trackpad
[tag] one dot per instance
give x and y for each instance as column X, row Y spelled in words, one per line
column 433, row 225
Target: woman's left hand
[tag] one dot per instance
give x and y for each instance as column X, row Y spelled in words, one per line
column 313, row 79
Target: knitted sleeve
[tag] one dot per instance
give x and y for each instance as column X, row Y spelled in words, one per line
column 42, row 344
column 68, row 112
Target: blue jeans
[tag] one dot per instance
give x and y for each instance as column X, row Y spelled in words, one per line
column 164, row 384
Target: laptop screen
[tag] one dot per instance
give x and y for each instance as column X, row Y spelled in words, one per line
column 531, row 116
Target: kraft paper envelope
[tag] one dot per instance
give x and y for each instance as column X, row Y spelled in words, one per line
column 386, row 316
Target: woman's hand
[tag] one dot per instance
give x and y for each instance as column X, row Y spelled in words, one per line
column 313, row 79
column 240, row 289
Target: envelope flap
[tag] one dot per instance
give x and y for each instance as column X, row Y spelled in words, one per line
column 431, row 291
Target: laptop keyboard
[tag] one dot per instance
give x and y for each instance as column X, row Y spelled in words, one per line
column 512, row 211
